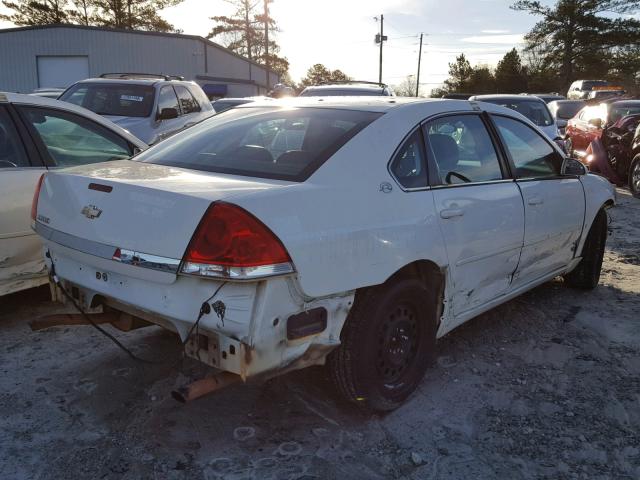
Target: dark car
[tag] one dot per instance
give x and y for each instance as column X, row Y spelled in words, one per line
column 616, row 154
column 348, row 89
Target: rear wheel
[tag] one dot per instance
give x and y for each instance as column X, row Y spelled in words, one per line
column 587, row 274
column 388, row 342
column 634, row 176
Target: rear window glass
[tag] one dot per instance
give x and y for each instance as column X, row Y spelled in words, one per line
column 279, row 143
column 535, row 111
column 112, row 99
column 568, row 110
column 620, row 110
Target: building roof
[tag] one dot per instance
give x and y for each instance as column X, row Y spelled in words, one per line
column 136, row 32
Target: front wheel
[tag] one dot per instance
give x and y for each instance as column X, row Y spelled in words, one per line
column 634, row 176
column 587, row 274
column 388, row 342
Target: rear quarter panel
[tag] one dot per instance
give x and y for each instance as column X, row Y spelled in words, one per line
column 341, row 230
column 598, row 193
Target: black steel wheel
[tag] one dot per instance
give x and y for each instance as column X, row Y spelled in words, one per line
column 387, row 345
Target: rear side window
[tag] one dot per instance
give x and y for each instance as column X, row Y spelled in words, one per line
column 532, row 156
column 12, row 154
column 187, row 102
column 409, row 166
column 71, row 140
column 462, row 150
column 112, row 99
column 278, row 143
column 167, row 99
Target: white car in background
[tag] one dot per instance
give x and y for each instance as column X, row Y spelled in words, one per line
column 279, row 235
column 151, row 107
column 39, row 134
column 532, row 107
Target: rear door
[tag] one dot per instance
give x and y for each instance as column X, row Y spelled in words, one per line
column 21, row 264
column 554, row 204
column 480, row 208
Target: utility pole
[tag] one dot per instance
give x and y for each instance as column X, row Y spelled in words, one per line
column 380, row 38
column 266, row 41
column 419, row 59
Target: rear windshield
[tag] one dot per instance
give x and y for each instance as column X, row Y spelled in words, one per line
column 112, row 99
column 619, row 110
column 568, row 110
column 343, row 92
column 534, row 110
column 266, row 142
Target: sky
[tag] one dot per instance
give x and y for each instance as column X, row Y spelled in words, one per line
column 340, row 33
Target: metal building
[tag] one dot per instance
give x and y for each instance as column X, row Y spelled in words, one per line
column 59, row 55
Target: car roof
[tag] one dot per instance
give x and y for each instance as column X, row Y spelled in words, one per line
column 383, row 104
column 34, row 100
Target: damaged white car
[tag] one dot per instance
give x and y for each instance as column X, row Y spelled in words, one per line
column 276, row 236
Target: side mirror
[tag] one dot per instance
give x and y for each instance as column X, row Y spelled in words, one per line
column 571, row 166
column 168, row 114
column 596, row 122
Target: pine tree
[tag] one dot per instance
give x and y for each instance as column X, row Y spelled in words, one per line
column 460, row 73
column 36, row 12
column 243, row 33
column 132, row 14
column 319, row 74
column 510, row 75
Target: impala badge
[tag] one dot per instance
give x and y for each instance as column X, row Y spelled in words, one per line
column 91, row 211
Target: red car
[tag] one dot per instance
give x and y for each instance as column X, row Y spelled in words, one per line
column 588, row 124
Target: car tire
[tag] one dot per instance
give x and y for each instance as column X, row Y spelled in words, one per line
column 587, row 274
column 634, row 176
column 387, row 343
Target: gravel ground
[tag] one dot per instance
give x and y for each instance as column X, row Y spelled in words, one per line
column 546, row 386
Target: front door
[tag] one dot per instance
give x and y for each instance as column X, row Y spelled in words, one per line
column 554, row 204
column 480, row 210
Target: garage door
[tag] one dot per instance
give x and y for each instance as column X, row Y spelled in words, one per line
column 61, row 71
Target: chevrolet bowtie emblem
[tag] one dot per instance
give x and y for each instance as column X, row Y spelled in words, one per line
column 91, row 211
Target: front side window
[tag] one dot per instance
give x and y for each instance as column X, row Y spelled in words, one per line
column 265, row 142
column 115, row 99
column 462, row 150
column 187, row 102
column 408, row 165
column 71, row 140
column 532, row 156
column 12, row 153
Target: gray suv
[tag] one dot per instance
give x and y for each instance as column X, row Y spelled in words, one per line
column 151, row 107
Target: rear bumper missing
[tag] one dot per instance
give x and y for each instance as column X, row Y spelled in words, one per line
column 249, row 338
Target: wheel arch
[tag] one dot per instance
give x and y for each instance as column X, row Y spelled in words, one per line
column 429, row 273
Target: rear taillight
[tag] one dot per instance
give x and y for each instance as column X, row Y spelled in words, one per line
column 232, row 243
column 36, row 195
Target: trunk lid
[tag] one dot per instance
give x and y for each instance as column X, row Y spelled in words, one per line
column 146, row 208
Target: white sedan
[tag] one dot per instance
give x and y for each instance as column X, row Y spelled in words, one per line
column 38, row 134
column 276, row 236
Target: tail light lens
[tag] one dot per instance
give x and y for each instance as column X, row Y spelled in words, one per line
column 232, row 243
column 36, row 195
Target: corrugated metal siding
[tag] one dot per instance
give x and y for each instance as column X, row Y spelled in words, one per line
column 110, row 51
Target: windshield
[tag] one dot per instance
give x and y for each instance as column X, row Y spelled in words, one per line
column 342, row 92
column 534, row 110
column 265, row 142
column 112, row 99
column 622, row 110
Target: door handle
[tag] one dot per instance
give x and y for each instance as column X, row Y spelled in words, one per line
column 451, row 212
column 535, row 201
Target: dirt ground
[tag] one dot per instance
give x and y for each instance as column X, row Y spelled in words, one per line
column 545, row 386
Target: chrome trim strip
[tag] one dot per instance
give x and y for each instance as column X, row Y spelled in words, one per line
column 90, row 247
column 236, row 273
